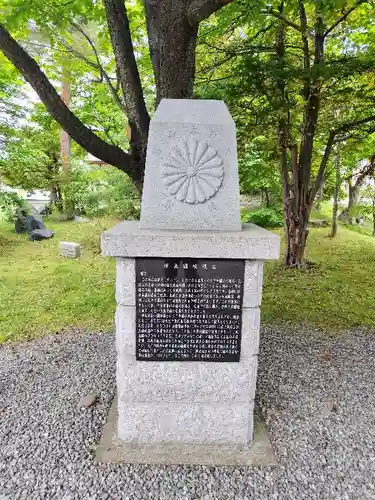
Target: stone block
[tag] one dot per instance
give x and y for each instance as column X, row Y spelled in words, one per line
column 70, row 249
column 188, row 423
column 250, row 332
column 171, row 381
column 112, row 450
column 127, row 239
column 191, row 177
column 125, row 331
column 125, row 282
column 253, row 283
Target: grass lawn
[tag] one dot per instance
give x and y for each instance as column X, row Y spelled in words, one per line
column 336, row 293
column 43, row 293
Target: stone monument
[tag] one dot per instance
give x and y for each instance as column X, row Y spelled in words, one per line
column 188, row 291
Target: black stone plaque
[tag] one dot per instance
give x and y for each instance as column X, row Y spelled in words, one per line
column 188, row 309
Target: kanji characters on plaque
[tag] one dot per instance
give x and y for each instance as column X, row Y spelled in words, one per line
column 189, row 309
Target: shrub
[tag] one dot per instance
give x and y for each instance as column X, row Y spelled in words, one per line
column 10, row 203
column 99, row 192
column 264, row 217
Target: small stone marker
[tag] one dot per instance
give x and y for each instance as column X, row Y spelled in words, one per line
column 69, row 249
column 188, row 288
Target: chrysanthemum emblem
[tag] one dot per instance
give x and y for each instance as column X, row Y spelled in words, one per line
column 194, row 172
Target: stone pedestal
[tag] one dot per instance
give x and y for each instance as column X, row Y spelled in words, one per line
column 180, row 401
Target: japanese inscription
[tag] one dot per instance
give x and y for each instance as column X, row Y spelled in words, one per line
column 188, row 309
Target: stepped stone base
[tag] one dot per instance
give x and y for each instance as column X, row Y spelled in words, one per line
column 113, row 450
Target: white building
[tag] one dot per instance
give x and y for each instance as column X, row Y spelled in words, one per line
column 37, row 199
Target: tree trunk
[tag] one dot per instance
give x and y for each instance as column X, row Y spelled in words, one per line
column 172, row 35
column 297, row 208
column 354, row 194
column 336, row 195
column 355, row 190
column 296, row 171
column 319, row 197
column 177, row 38
column 373, row 216
column 297, row 233
column 56, row 198
column 298, row 194
column 266, row 197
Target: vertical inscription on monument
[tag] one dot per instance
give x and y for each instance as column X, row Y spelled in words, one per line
column 188, row 309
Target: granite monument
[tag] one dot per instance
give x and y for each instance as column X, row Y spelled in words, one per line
column 188, row 291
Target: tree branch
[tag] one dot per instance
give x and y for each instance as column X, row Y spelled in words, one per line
column 249, row 50
column 323, row 165
column 103, row 74
column 344, row 16
column 230, row 28
column 81, row 134
column 331, row 141
column 304, row 30
column 366, row 171
column 271, row 12
column 306, row 51
column 356, row 134
column 135, row 106
column 201, row 9
column 313, row 101
column 201, row 82
column 87, row 38
column 355, row 123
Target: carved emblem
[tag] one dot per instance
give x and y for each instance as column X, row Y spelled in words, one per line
column 194, row 172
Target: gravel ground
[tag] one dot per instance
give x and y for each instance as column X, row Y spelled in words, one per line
column 317, row 395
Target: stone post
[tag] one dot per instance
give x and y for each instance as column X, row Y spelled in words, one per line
column 188, row 290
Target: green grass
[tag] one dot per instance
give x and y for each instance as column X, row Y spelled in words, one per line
column 324, row 212
column 42, row 293
column 337, row 293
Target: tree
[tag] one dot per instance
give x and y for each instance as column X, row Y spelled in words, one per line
column 355, row 179
column 303, row 72
column 172, row 27
column 31, row 158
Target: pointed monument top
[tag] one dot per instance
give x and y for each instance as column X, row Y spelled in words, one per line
column 191, row 178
